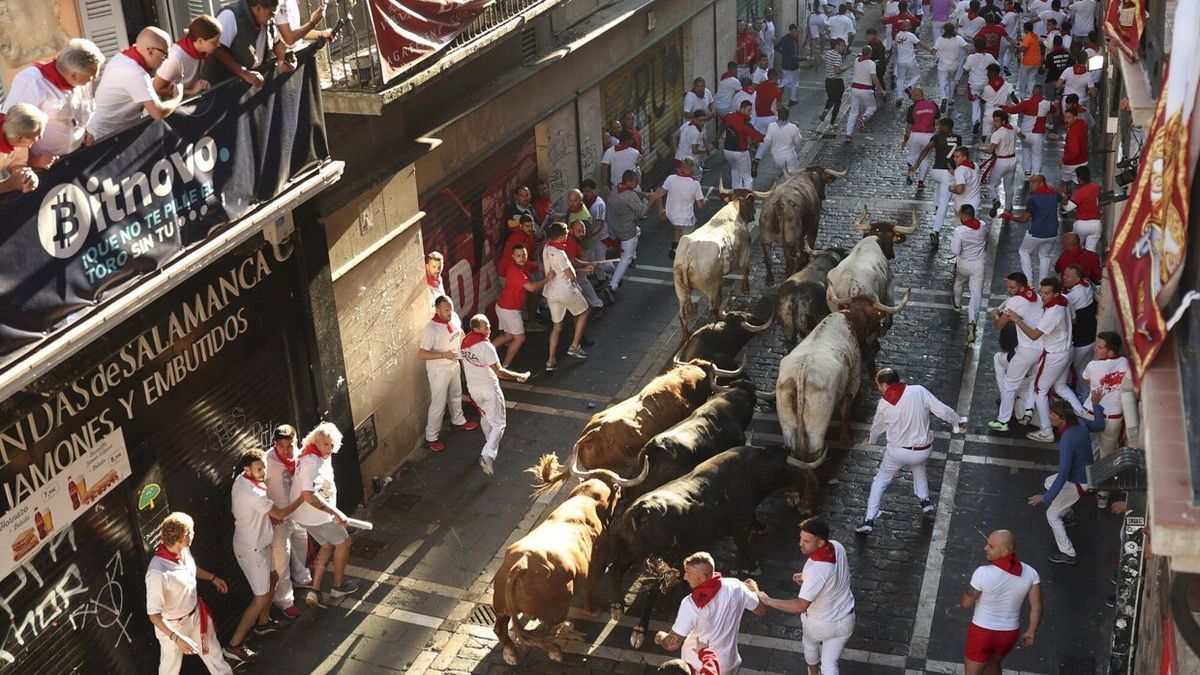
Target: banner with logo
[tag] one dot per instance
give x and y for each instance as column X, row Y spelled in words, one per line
column 408, row 31
column 1149, row 246
column 128, row 204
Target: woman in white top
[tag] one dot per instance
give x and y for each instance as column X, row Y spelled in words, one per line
column 294, row 33
column 181, row 68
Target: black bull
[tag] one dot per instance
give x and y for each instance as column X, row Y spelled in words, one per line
column 802, row 300
column 716, row 499
column 791, row 213
column 722, row 340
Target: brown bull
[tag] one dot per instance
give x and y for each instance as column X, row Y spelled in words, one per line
column 792, row 214
column 540, row 571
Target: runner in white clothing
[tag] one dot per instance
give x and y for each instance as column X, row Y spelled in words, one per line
column 1011, row 373
column 863, row 87
column 908, row 73
column 439, row 350
column 903, row 412
column 968, row 245
column 996, row 594
column 1109, row 373
column 1001, row 169
column 976, row 65
column 951, row 50
column 825, row 601
column 290, row 544
column 781, row 140
column 319, row 514
column 965, row 184
column 1054, row 329
column 482, row 367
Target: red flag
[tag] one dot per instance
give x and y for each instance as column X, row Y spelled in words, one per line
column 1123, row 24
column 408, row 31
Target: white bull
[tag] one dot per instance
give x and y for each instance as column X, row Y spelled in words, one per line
column 866, row 270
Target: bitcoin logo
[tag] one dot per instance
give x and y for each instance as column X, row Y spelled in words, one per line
column 64, row 221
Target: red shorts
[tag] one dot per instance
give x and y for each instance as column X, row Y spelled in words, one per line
column 984, row 644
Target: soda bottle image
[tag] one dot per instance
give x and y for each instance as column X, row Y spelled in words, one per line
column 40, row 524
column 82, row 489
column 73, row 491
column 49, row 520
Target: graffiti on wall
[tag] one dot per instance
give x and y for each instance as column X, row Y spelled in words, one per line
column 652, row 87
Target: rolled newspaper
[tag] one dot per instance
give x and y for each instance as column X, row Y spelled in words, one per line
column 359, row 524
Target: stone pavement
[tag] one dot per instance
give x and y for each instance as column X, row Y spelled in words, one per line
column 441, row 525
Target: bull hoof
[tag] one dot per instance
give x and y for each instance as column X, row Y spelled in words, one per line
column 555, row 654
column 793, row 499
column 637, row 638
column 615, row 612
column 510, row 656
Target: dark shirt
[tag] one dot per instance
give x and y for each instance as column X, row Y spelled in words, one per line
column 1043, row 211
column 1075, row 453
column 789, row 48
column 1056, row 63
column 879, row 56
column 943, row 145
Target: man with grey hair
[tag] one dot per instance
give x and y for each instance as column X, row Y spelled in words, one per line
column 627, row 206
column 20, row 129
column 127, row 87
column 62, row 88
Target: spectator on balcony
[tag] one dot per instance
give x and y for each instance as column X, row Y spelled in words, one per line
column 127, row 87
column 21, row 128
column 294, row 33
column 62, row 88
column 180, row 71
column 246, row 37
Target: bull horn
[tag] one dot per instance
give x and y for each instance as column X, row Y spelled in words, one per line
column 911, row 228
column 721, row 313
column 675, row 359
column 860, row 223
column 751, row 328
column 729, row 373
column 808, row 466
column 892, row 310
column 721, row 186
column 808, row 250
column 839, row 302
column 762, row 195
column 764, row 395
column 626, row 483
column 836, row 174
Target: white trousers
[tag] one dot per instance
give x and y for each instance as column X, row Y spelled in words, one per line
column 628, row 253
column 1052, row 374
column 788, row 161
column 1013, row 376
column 917, row 141
column 739, row 169
column 893, row 460
column 946, row 83
column 493, row 418
column 824, row 641
column 907, row 75
column 1002, row 172
column 1089, row 233
column 861, row 101
column 1110, row 438
column 1062, row 503
column 761, row 123
column 969, row 272
column 289, row 549
column 445, row 389
column 170, row 659
column 1031, row 152
column 589, row 291
column 1042, row 246
column 789, row 80
column 944, row 180
column 976, row 105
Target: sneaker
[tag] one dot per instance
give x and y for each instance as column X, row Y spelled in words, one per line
column 577, row 352
column 290, row 612
column 1041, row 436
column 971, row 332
column 485, row 463
column 920, row 185
column 997, row 425
column 927, row 506
column 848, row 138
column 1026, row 418
column 467, row 426
column 957, row 308
column 908, row 179
column 862, row 123
column 267, row 628
column 239, row 654
column 313, row 599
column 934, row 240
column 867, row 527
column 1111, row 601
column 942, row 109
column 348, row 587
column 1061, row 558
column 535, row 327
column 1102, row 500
column 551, row 366
column 436, row 446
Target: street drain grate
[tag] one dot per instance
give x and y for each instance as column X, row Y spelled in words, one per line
column 365, row 547
column 482, row 615
column 399, row 503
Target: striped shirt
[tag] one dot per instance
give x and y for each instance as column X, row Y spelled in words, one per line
column 833, row 61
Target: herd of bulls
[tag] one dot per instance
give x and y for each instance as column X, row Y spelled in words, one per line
column 666, row 472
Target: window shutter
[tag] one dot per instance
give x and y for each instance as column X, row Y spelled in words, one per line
column 104, row 24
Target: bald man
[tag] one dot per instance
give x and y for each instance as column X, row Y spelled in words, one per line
column 996, row 594
column 127, row 88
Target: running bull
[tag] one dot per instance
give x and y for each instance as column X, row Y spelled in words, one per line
column 866, row 271
column 792, row 214
column 802, row 302
column 722, row 340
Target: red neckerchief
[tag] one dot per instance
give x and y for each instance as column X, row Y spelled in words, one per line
column 699, row 124
column 562, row 245
column 289, row 462
column 433, row 282
column 681, row 173
column 5, row 147
column 189, row 47
column 968, row 163
column 258, row 484
column 748, row 90
column 444, row 322
column 572, row 209
column 1057, row 301
column 972, row 223
column 621, row 187
column 1044, row 190
column 996, row 82
column 728, row 73
column 1079, row 70
column 1009, row 563
column 1006, row 125
column 826, row 552
column 137, row 57
column 1036, row 99
column 621, row 145
column 893, row 393
column 1068, row 287
column 310, row 449
column 473, row 338
column 1029, row 294
column 165, row 553
column 49, row 70
column 709, row 663
column 864, row 57
column 706, row 591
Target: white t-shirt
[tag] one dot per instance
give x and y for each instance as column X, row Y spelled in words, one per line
column 560, row 287
column 692, row 102
column 279, row 479
column 969, row 177
column 288, row 13
column 726, row 88
column 477, row 365
column 1083, row 17
column 1001, row 596
column 817, row 23
column 1048, row 41
column 976, row 66
column 682, row 195
column 1076, row 83
column 1080, row 296
column 621, row 161
column 314, row 474
column 758, row 75
column 1010, row 21
column 171, row 587
column 229, row 31
column 781, row 141
column 179, row 67
column 969, row 244
column 1005, row 140
column 827, row 586
column 599, row 210
column 251, row 504
column 717, row 623
column 1045, row 15
column 440, row 337
column 68, row 111
column 1030, row 312
column 994, row 98
column 907, row 422
column 123, row 89
column 863, row 70
column 1107, row 375
column 743, row 95
column 1056, row 329
column 950, row 52
column 906, row 47
column 969, row 27
column 840, row 26
column 1033, row 11
column 689, row 135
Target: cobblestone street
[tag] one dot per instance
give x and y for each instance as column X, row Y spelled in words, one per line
column 441, row 526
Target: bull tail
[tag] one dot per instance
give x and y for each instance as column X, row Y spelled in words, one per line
column 658, row 572
column 788, row 317
column 545, row 636
column 683, row 284
column 789, row 394
column 549, row 473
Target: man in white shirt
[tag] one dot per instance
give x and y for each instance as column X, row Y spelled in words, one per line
column 1054, row 329
column 903, row 413
column 766, row 36
column 126, row 89
column 841, row 26
column 825, row 602
column 1054, row 16
column 1012, row 372
column 698, row 98
column 951, row 50
column 1078, row 80
column 966, row 180
column 690, row 142
column 996, row 93
column 996, row 594
column 1081, row 303
column 782, row 140
column 439, row 350
column 62, row 88
column 976, row 65
column 681, row 196
column 182, row 622
column 620, row 158
column 1002, row 167
column 863, row 87
column 711, row 614
column 908, row 73
column 1083, row 17
column 253, row 532
column 326, row 524
column 481, row 364
column 1109, row 373
column 563, row 294
column 727, row 86
column 970, row 21
column 1033, row 11
column 289, row 547
column 968, row 245
column 294, row 33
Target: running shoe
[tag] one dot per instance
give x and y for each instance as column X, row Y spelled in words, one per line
column 267, row 628
column 970, row 333
column 997, row 425
column 1061, row 558
column 551, row 366
column 467, row 426
column 1041, row 436
column 577, row 352
column 348, row 587
column 867, row 527
column 436, row 446
column 485, row 463
column 927, row 506
column 239, row 654
column 290, row 612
